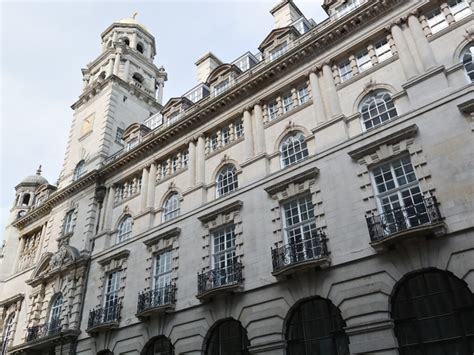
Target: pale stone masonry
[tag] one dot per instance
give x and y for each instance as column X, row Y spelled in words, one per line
column 313, row 198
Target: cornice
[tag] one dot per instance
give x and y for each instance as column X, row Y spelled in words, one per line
column 11, row 300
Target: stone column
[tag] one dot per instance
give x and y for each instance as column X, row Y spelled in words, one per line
column 144, row 189
column 330, row 91
column 114, row 37
column 318, row 104
column 159, row 94
column 259, row 129
column 150, row 201
column 192, row 163
column 200, row 161
column 126, row 70
column 133, row 41
column 109, row 208
column 116, row 63
column 110, row 67
column 406, row 59
column 248, row 134
column 424, row 47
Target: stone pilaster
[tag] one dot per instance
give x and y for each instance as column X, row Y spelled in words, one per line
column 259, row 129
column 144, row 190
column 422, row 44
column 406, row 58
column 330, row 91
column 248, row 143
column 200, row 161
column 318, row 104
column 150, row 191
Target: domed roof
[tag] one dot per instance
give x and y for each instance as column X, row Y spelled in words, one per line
column 132, row 21
column 36, row 179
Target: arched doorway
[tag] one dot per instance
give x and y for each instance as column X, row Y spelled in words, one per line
column 228, row 337
column 160, row 345
column 433, row 312
column 315, row 327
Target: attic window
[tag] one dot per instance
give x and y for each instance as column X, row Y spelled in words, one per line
column 138, row 78
column 221, row 87
column 348, row 6
column 278, row 51
column 140, row 48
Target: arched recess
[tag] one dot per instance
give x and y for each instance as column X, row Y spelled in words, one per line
column 158, row 345
column 226, row 336
column 433, row 313
column 315, row 326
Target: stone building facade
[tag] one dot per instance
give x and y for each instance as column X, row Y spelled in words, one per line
column 313, row 198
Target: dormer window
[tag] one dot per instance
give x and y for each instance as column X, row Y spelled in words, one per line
column 347, row 7
column 278, row 51
column 221, row 87
column 132, row 143
column 174, row 117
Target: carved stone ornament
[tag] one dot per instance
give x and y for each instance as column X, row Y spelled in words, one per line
column 370, row 85
column 59, row 258
column 171, row 185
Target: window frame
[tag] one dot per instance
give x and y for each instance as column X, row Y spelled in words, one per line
column 8, row 332
column 230, row 186
column 79, row 170
column 164, row 273
column 304, row 152
column 169, row 214
column 124, row 234
column 111, row 292
column 372, row 98
column 68, row 225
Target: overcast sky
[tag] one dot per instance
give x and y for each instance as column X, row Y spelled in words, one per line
column 45, row 44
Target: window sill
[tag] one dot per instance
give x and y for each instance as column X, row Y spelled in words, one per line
column 172, row 175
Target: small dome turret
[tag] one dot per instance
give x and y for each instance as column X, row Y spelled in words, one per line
column 35, row 179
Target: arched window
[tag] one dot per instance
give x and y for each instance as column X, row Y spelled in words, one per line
column 467, row 59
column 293, row 149
column 315, row 326
column 125, row 40
column 25, row 201
column 433, row 313
column 171, row 207
column 160, row 345
column 7, row 333
column 54, row 323
column 79, row 170
column 138, row 78
column 140, row 48
column 228, row 337
column 124, row 228
column 226, row 180
column 377, row 108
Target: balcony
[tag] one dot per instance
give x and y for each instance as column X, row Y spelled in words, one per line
column 45, row 336
column 304, row 254
column 393, row 226
column 220, row 281
column 157, row 301
column 103, row 319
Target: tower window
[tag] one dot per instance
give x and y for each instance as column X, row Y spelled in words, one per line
column 26, row 200
column 138, row 78
column 125, row 40
column 79, row 170
column 140, row 48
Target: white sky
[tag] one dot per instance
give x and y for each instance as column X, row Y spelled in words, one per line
column 45, row 44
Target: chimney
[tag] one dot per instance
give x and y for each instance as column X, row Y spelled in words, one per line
column 285, row 13
column 205, row 65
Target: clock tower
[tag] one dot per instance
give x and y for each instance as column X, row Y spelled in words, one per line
column 120, row 87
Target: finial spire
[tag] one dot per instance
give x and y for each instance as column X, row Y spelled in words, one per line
column 135, row 14
column 38, row 172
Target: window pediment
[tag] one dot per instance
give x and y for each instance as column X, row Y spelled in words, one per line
column 277, row 37
column 222, row 211
column 283, row 187
column 222, row 72
column 116, row 258
column 157, row 239
column 393, row 138
column 174, row 104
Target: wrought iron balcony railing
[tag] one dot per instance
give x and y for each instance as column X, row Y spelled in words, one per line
column 104, row 316
column 312, row 249
column 216, row 278
column 44, row 330
column 157, row 298
column 388, row 223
